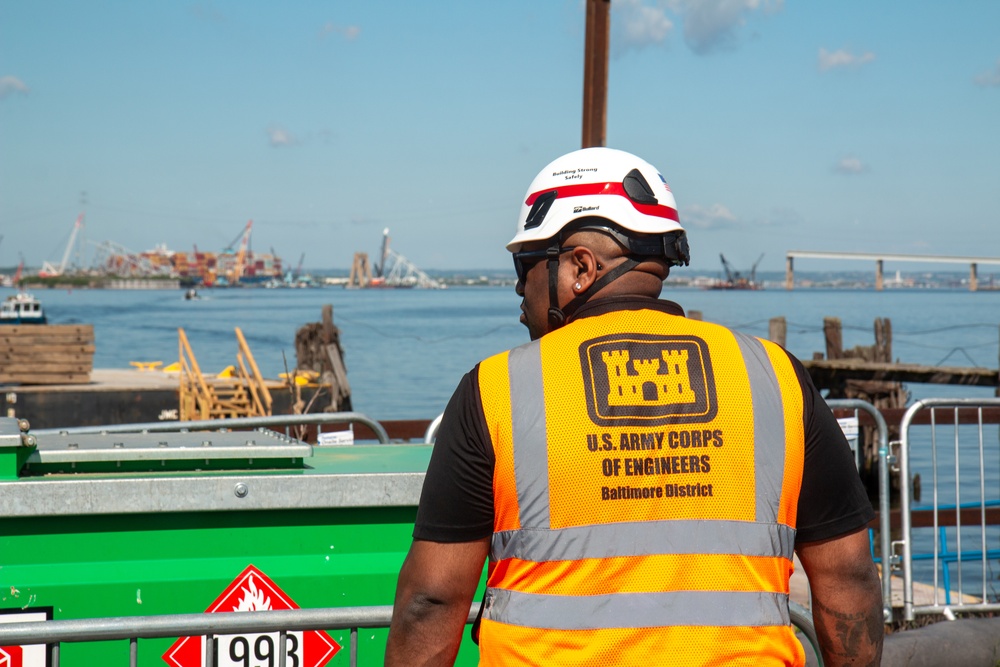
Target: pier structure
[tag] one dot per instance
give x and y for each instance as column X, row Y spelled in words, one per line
column 880, row 258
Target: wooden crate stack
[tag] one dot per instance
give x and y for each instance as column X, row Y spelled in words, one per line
column 46, row 354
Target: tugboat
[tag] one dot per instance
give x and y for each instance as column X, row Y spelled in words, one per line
column 22, row 308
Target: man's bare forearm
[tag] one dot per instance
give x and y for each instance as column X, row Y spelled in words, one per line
column 850, row 627
column 846, row 599
column 433, row 597
column 423, row 633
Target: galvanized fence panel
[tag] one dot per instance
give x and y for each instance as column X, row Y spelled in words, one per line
column 133, row 628
column 889, row 563
column 964, row 488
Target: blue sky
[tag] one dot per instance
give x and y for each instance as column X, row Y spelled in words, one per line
column 853, row 126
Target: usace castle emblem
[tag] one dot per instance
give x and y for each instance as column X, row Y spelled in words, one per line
column 648, row 380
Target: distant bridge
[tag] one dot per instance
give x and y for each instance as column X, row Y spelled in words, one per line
column 879, row 258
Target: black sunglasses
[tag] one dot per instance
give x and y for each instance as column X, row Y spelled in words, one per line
column 525, row 259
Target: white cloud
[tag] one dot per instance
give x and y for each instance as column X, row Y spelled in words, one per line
column 711, row 25
column 990, row 77
column 11, row 84
column 843, row 58
column 637, row 25
column 278, row 136
column 715, row 216
column 349, row 33
column 850, row 165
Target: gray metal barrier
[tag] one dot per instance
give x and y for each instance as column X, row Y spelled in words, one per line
column 133, row 628
column 889, row 562
column 432, row 429
column 966, row 452
column 318, row 419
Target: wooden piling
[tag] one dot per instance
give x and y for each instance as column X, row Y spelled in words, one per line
column 317, row 349
column 833, row 336
column 777, row 330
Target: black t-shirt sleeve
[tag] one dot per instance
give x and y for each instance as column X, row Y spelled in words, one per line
column 832, row 501
column 456, row 502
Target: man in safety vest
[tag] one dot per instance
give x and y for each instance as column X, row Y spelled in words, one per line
column 638, row 480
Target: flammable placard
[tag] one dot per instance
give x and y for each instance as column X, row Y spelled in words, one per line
column 254, row 591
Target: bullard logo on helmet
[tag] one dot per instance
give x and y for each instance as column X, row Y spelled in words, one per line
column 648, row 380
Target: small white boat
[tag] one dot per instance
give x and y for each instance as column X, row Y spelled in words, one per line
column 22, row 308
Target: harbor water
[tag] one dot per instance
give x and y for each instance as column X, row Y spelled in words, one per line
column 405, row 350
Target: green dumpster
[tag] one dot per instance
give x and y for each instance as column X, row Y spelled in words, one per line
column 145, row 524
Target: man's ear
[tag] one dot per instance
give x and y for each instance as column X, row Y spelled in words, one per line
column 584, row 263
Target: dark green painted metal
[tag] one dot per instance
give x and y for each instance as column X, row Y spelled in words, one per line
column 164, row 563
column 12, row 460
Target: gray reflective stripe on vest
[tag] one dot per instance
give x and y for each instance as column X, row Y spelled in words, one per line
column 636, row 610
column 768, row 427
column 647, row 538
column 531, row 451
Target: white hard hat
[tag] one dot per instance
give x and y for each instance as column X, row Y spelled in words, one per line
column 604, row 183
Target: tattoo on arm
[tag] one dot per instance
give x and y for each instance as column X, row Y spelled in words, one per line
column 850, row 634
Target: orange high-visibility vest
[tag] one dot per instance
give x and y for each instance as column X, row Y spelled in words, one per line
column 645, row 494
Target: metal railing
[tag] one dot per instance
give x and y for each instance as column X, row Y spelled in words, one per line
column 432, row 429
column 236, row 423
column 889, row 562
column 134, row 628
column 949, row 415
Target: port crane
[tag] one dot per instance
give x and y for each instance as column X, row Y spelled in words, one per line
column 235, row 272
column 298, row 268
column 48, row 270
column 736, row 280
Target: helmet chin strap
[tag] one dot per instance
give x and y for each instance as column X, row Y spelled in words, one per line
column 557, row 315
column 557, row 318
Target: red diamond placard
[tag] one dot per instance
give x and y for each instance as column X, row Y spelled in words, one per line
column 254, row 591
column 10, row 656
